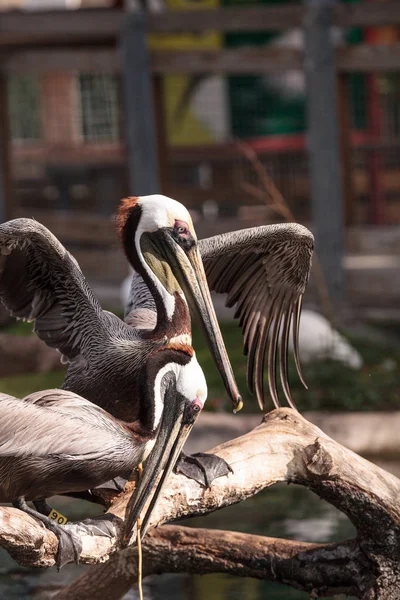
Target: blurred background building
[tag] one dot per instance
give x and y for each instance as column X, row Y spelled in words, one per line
column 246, row 133
column 53, row 4
column 68, row 146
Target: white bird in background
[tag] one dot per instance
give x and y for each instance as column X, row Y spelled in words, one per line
column 319, row 341
column 291, row 84
column 50, row 4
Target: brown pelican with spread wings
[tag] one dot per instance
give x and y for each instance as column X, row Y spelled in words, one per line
column 40, row 281
column 263, row 270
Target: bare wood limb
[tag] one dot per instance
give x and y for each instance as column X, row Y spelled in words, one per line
column 175, row 549
column 285, row 447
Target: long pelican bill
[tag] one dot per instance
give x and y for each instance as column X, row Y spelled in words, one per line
column 189, row 271
column 177, row 421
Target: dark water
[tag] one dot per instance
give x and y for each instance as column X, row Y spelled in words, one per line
column 281, row 511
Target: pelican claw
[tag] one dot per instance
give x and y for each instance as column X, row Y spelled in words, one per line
column 104, row 526
column 69, row 542
column 69, row 545
column 116, row 485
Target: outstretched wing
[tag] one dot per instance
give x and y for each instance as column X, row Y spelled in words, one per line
column 264, row 272
column 40, row 281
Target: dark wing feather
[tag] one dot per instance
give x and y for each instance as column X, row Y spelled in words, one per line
column 264, row 272
column 40, row 281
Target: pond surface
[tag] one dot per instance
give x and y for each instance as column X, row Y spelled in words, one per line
column 281, row 511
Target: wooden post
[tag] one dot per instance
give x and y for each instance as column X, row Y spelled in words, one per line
column 345, row 148
column 375, row 162
column 387, row 35
column 323, row 144
column 140, row 120
column 161, row 128
column 5, row 166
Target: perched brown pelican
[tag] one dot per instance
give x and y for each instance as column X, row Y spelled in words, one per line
column 40, row 281
column 264, row 272
column 55, row 441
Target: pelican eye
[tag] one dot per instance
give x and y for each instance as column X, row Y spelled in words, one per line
column 192, row 410
column 181, row 228
column 182, row 235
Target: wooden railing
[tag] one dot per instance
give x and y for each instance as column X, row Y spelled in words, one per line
column 86, row 39
column 102, row 26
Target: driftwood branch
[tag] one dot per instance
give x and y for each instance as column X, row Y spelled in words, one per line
column 175, row 549
column 285, row 447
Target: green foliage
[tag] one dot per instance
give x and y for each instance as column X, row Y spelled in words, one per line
column 22, row 385
column 19, row 328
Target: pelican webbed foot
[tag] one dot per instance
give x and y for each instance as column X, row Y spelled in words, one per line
column 69, row 544
column 105, row 526
column 115, row 485
column 202, row 467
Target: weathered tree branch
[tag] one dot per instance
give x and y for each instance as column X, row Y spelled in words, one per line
column 174, row 549
column 285, row 447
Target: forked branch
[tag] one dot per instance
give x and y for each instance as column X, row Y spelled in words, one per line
column 284, row 447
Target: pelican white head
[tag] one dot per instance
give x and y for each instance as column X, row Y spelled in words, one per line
column 160, row 211
column 159, row 240
column 188, row 381
column 191, row 382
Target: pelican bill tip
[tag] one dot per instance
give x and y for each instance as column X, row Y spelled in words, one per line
column 239, row 405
